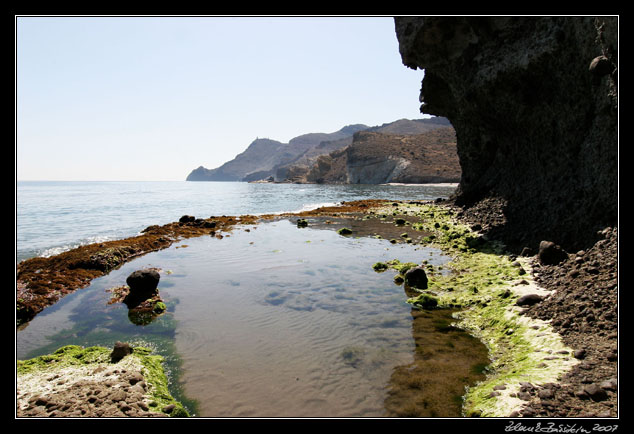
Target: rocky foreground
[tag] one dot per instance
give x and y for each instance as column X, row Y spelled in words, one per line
column 95, row 382
column 583, row 310
column 569, row 301
column 534, row 103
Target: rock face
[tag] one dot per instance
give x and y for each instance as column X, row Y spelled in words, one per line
column 305, row 155
column 533, row 101
column 377, row 157
column 263, row 157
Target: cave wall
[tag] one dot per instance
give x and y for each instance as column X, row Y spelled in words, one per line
column 533, row 101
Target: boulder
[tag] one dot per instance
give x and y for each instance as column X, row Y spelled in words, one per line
column 143, row 282
column 416, row 278
column 550, row 253
column 187, row 219
column 595, row 392
column 120, row 350
column 580, row 354
column 529, row 300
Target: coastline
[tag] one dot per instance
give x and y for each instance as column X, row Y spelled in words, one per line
column 533, row 369
column 431, row 184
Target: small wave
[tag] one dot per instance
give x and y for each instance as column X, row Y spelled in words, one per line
column 52, row 251
column 305, row 207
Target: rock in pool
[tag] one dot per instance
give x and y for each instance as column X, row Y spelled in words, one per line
column 143, row 282
column 416, row 278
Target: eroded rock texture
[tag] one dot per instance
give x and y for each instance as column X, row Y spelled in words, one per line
column 533, row 101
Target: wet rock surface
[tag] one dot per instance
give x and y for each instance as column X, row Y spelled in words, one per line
column 583, row 309
column 91, row 382
column 122, row 395
column 416, row 277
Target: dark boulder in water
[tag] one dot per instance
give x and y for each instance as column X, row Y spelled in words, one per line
column 143, row 281
column 416, row 278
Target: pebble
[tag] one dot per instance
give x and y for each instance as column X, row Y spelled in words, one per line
column 524, row 396
column 595, row 392
column 610, row 384
column 118, row 395
column 135, row 378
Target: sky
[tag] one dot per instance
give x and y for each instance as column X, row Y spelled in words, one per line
column 139, row 98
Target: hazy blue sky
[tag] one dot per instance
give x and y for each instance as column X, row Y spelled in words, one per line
column 151, row 98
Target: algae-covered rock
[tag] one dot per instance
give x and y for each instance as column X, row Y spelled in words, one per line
column 344, row 231
column 425, row 301
column 89, row 382
column 380, row 266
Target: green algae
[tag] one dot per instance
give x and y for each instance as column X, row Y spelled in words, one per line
column 425, row 301
column 159, row 307
column 401, row 267
column 70, row 355
column 154, row 374
column 380, row 266
column 483, row 284
column 344, row 231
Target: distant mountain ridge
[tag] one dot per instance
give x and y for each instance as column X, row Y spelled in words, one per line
column 270, row 159
column 381, row 158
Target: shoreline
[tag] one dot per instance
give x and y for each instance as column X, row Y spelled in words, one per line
column 530, row 374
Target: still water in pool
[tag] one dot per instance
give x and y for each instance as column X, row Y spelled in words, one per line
column 280, row 321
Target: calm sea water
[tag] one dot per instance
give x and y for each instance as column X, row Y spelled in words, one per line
column 56, row 216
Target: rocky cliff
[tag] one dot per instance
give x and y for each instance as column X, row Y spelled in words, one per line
column 533, row 101
column 263, row 157
column 260, row 155
column 377, row 158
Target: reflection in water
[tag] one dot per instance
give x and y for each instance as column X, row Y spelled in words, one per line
column 282, row 322
column 446, row 360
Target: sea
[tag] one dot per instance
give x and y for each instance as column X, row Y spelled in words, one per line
column 55, row 216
